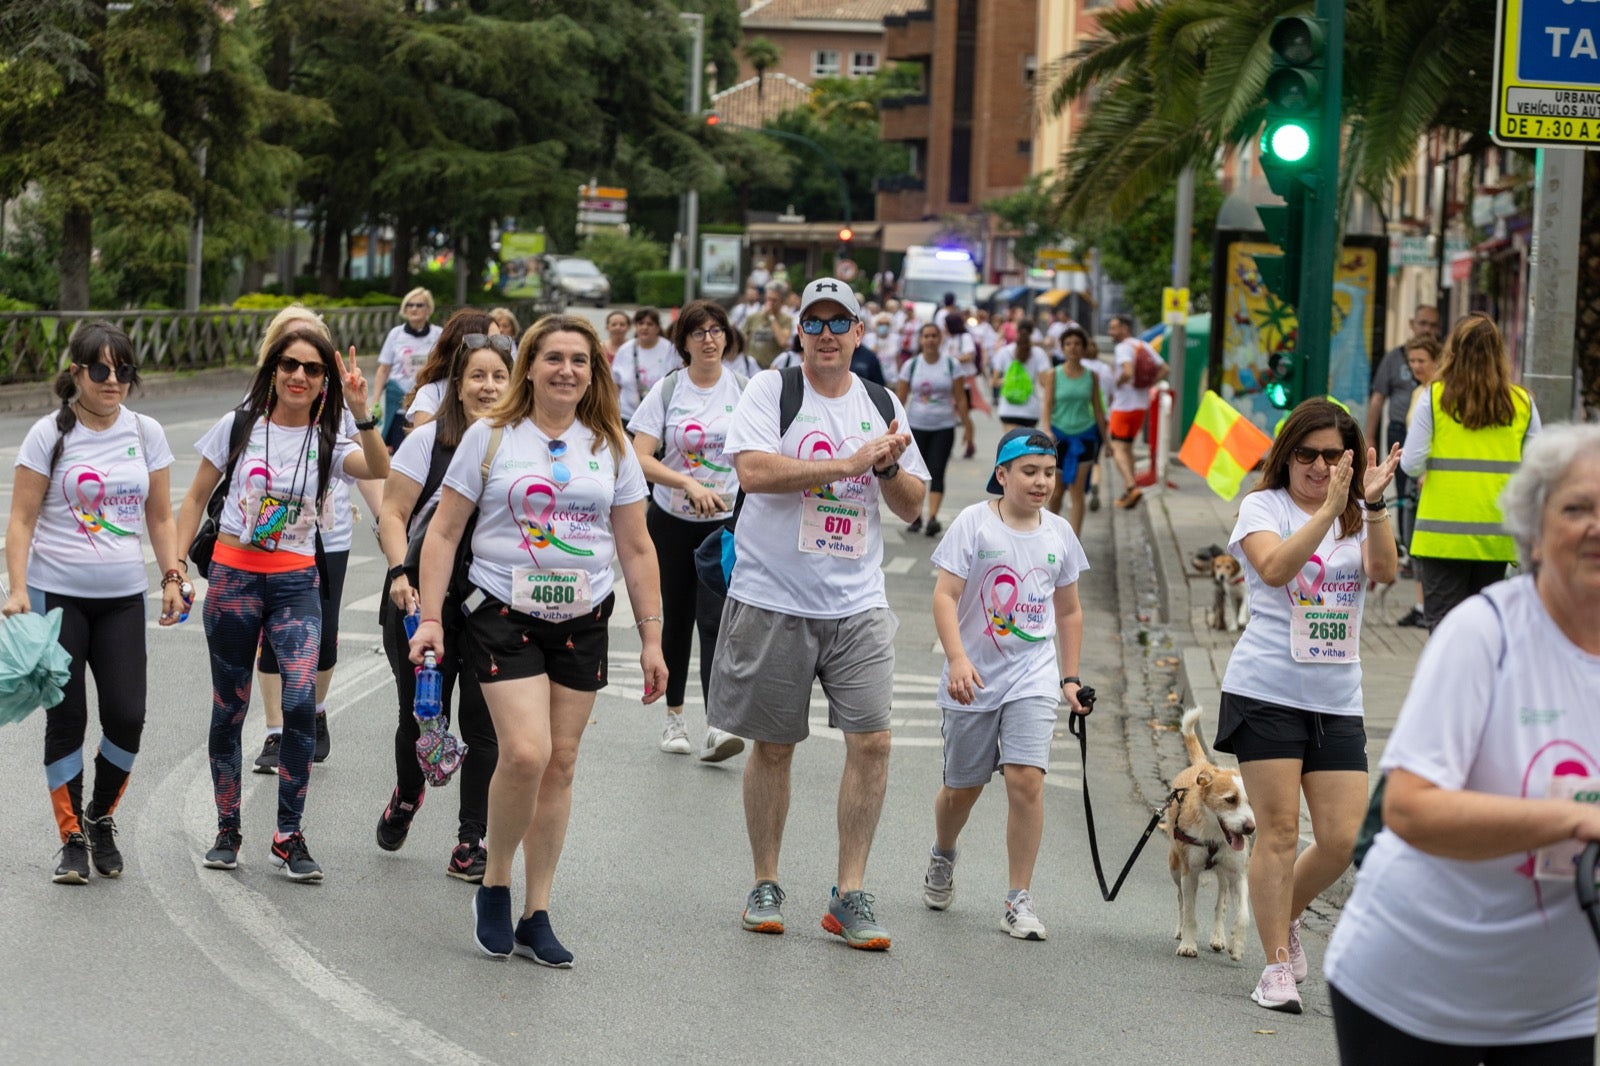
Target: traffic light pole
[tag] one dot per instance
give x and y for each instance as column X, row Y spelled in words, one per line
column 1320, row 246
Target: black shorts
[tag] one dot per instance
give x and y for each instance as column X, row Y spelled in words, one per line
column 505, row 645
column 1250, row 729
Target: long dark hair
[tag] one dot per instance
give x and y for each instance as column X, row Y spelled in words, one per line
column 88, row 342
column 441, row 359
column 327, row 415
column 453, row 421
column 696, row 316
column 1310, row 416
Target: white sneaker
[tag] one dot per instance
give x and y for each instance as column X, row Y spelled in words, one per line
column 674, row 737
column 719, row 745
column 939, row 883
column 1297, row 954
column 1276, row 990
column 1020, row 921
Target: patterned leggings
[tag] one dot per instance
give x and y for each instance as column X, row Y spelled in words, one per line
column 240, row 608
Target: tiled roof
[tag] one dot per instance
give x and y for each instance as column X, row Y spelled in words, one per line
column 738, row 105
column 767, row 12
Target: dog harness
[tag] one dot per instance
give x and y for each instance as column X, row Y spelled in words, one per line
column 1211, row 849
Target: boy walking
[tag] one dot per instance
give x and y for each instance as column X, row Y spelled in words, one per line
column 1006, row 608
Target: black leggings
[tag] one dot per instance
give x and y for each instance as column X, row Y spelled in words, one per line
column 1365, row 1038
column 477, row 728
column 107, row 636
column 1447, row 582
column 328, row 649
column 686, row 605
column 935, row 446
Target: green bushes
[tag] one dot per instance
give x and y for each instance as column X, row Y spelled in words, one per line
column 660, row 288
column 624, row 259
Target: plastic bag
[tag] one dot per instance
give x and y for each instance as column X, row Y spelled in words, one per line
column 34, row 667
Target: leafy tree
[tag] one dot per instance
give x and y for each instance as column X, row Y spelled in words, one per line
column 622, row 258
column 762, row 55
column 1030, row 211
column 1136, row 251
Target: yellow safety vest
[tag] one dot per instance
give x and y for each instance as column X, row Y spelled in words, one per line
column 1458, row 516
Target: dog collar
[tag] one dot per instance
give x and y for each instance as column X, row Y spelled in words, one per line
column 1211, row 849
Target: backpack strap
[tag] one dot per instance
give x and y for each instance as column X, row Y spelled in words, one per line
column 438, row 464
column 495, row 434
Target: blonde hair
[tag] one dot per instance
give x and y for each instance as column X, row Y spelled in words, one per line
column 1476, row 375
column 598, row 408
column 286, row 320
column 502, row 317
column 418, row 293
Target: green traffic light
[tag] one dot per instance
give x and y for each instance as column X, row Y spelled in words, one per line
column 1277, row 395
column 1290, row 142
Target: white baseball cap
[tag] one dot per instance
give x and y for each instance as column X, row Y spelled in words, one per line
column 830, row 289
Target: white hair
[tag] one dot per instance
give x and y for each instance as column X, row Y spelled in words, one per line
column 1545, row 464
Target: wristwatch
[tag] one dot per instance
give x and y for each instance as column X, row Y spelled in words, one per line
column 888, row 473
column 396, row 571
column 362, row 427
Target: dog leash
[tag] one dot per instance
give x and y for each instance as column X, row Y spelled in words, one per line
column 1079, row 729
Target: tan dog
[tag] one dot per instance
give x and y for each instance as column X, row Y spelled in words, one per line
column 1210, row 825
column 1230, row 607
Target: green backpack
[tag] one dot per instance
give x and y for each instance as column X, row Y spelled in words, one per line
column 1017, row 386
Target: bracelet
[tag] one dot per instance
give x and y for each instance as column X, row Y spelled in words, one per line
column 435, row 621
column 362, row 427
column 1381, row 505
column 1073, row 680
column 171, row 577
column 651, row 618
column 1380, row 516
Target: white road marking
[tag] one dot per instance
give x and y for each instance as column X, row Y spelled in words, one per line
column 900, row 564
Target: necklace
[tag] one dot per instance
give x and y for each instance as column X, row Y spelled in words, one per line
column 98, row 422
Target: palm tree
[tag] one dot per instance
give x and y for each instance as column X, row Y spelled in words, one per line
column 762, row 55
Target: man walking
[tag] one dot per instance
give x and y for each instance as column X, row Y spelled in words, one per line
column 767, row 331
column 816, row 448
column 1128, row 404
column 1392, row 384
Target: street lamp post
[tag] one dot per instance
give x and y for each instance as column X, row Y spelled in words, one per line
column 691, row 105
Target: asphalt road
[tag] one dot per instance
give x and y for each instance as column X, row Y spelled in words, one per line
column 377, row 963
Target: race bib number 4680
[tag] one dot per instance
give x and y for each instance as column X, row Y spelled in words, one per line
column 550, row 595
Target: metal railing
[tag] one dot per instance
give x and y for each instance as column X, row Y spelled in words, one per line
column 33, row 343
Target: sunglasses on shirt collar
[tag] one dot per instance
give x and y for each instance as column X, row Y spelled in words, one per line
column 100, row 373
column 838, row 325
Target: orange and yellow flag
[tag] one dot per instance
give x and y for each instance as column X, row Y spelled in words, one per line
column 1222, row 446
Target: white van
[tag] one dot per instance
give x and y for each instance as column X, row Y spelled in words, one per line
column 930, row 273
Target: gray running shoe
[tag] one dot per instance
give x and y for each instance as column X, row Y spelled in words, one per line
column 939, row 883
column 720, row 745
column 1019, row 920
column 763, row 908
column 850, row 916
column 224, row 854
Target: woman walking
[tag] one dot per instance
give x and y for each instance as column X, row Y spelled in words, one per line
column 402, row 355
column 934, row 391
column 264, row 573
column 1075, row 415
column 475, row 383
column 1467, row 437
column 562, row 498
column 1310, row 536
column 91, row 481
column 423, row 403
column 677, row 436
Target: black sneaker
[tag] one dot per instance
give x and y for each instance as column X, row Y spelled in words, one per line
column 267, row 761
column 1094, row 498
column 224, row 854
column 915, row 526
column 395, row 822
column 74, row 866
column 1412, row 619
column 103, row 845
column 491, row 919
column 294, row 860
column 467, row 862
column 323, row 743
column 934, row 528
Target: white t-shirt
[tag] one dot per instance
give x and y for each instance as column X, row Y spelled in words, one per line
column 785, row 359
column 1127, row 397
column 428, row 399
column 1038, row 363
column 636, row 369
column 986, row 336
column 772, row 572
column 1478, row 952
column 411, row 460
column 528, row 521
column 743, row 365
column 1261, row 665
column 405, row 354
column 1007, row 606
column 1105, row 376
column 741, row 312
column 338, row 519
column 930, row 403
column 961, row 350
column 693, row 432
column 89, row 538
column 280, row 462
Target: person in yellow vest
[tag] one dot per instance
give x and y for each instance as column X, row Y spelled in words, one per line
column 1468, row 437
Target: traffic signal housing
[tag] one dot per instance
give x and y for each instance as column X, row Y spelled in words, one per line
column 1284, row 383
column 1291, row 145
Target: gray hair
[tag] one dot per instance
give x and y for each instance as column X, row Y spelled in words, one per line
column 1545, row 464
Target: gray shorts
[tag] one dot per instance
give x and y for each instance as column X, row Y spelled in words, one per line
column 766, row 663
column 976, row 743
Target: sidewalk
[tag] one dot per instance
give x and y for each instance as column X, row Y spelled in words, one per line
column 1180, row 522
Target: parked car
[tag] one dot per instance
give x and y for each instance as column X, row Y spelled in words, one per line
column 579, row 280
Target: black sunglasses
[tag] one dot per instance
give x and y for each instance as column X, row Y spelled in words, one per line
column 413, row 305
column 498, row 341
column 1307, row 456
column 313, row 370
column 838, row 325
column 99, row 373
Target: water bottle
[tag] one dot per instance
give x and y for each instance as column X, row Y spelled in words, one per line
column 411, row 621
column 429, row 687
column 186, row 590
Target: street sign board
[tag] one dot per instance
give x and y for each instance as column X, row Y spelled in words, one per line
column 1547, row 74
column 1174, row 306
column 602, row 192
column 602, row 218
